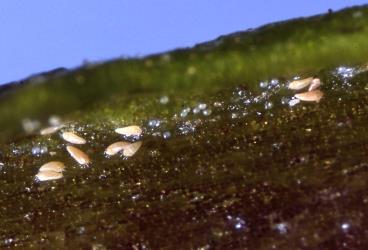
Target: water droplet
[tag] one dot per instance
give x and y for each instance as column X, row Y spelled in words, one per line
column 185, row 112
column 263, row 84
column 166, row 135
column 36, row 150
column 196, row 110
column 186, row 128
column 234, row 115
column 8, row 241
column 268, row 105
column 81, row 230
column 282, row 228
column 345, row 72
column 202, row 106
column 237, row 222
column 154, row 123
column 293, row 102
column 30, row 126
column 135, row 197
column 274, row 82
column 345, row 226
column 156, row 133
column 207, row 112
column 217, row 104
column 164, row 99
column 16, row 151
column 54, row 120
column 102, row 177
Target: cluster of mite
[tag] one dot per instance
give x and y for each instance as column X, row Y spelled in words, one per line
column 313, row 94
column 54, row 170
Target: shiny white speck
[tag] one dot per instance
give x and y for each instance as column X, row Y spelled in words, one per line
column 202, row 106
column 293, row 102
column 281, row 228
column 345, row 226
column 164, row 99
column 154, row 123
column 263, row 84
column 268, row 105
column 185, row 112
column 166, row 135
column 196, row 110
column 207, row 112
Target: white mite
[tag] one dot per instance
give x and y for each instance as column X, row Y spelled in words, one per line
column 129, row 131
column 48, row 175
column 310, row 96
column 50, row 130
column 299, row 84
column 55, row 166
column 78, row 155
column 315, row 84
column 73, row 138
column 132, row 148
column 116, row 147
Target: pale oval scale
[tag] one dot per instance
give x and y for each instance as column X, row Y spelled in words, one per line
column 116, row 147
column 310, row 96
column 316, row 82
column 49, row 130
column 132, row 148
column 73, row 138
column 78, row 155
column 299, row 84
column 48, row 175
column 129, row 131
column 55, row 166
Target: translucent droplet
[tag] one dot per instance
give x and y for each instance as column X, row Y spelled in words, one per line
column 186, row 128
column 196, row 110
column 154, row 123
column 263, row 84
column 166, row 135
column 8, row 241
column 156, row 134
column 293, row 102
column 81, row 230
column 234, row 115
column 282, row 228
column 30, row 126
column 164, row 99
column 43, row 150
column 185, row 112
column 345, row 226
column 237, row 222
column 54, row 120
column 207, row 112
column 217, row 104
column 36, row 150
column 202, row 106
column 268, row 105
column 274, row 82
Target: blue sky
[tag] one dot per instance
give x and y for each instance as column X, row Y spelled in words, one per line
column 41, row 35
